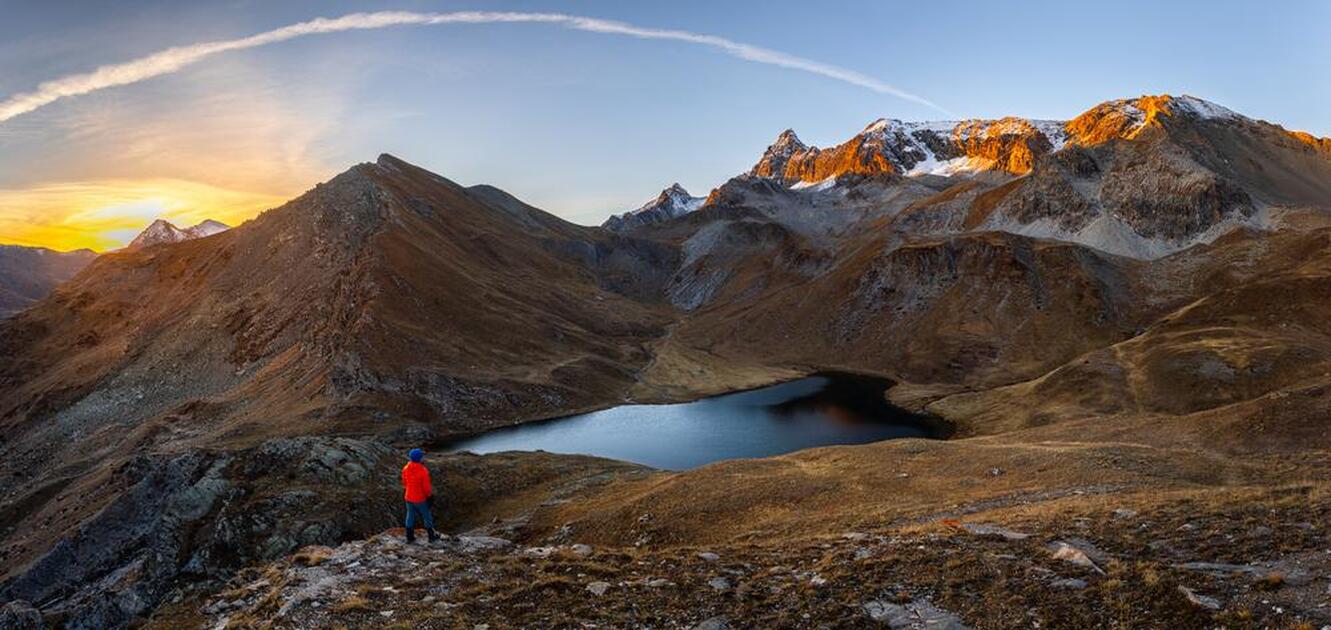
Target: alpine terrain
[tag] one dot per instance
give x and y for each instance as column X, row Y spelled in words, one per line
column 1125, row 318
column 27, row 274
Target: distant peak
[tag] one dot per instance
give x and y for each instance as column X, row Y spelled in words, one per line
column 673, row 202
column 210, row 223
column 161, row 231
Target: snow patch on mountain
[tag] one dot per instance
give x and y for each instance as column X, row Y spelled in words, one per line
column 820, row 185
column 1203, row 109
column 947, row 168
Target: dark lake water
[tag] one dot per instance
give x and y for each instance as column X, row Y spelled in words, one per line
column 815, row 411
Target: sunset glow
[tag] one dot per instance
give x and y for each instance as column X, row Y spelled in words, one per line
column 107, row 214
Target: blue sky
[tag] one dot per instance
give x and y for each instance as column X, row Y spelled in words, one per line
column 584, row 124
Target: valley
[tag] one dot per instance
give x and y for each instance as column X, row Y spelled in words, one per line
column 1120, row 319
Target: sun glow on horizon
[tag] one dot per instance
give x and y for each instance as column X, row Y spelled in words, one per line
column 106, row 214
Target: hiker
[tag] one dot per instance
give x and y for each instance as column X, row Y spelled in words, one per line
column 419, row 495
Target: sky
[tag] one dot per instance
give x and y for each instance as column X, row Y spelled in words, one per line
column 580, row 118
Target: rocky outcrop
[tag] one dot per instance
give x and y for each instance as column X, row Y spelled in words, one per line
column 1320, row 145
column 199, row 515
column 195, row 517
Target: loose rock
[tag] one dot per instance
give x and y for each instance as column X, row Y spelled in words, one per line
column 1199, row 600
column 1066, row 552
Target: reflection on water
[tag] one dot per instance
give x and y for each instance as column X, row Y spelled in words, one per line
column 815, row 411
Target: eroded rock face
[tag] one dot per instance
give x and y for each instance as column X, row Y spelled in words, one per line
column 20, row 615
column 199, row 514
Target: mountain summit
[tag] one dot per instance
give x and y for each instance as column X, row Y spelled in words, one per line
column 673, row 202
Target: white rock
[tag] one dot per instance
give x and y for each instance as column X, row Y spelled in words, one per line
column 1067, row 553
column 598, row 588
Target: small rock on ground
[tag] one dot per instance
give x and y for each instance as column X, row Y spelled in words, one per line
column 917, row 615
column 1068, row 553
column 1199, row 600
column 715, row 623
column 994, row 531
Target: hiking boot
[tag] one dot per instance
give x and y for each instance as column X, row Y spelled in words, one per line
column 433, row 536
column 411, row 536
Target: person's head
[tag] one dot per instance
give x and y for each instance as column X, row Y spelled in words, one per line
column 416, row 455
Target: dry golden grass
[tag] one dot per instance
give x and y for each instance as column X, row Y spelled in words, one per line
column 354, row 603
column 312, row 555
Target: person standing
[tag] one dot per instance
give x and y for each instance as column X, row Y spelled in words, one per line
column 419, row 495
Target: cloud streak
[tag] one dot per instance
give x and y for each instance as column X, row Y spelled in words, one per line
column 174, row 59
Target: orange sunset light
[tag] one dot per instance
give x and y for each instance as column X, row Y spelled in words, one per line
column 106, row 214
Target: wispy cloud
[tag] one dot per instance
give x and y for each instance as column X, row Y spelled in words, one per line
column 174, row 59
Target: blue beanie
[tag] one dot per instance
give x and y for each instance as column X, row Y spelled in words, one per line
column 416, row 454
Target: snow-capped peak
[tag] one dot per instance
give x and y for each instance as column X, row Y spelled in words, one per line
column 162, row 231
column 673, row 202
column 207, row 227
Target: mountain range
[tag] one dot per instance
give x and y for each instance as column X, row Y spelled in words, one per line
column 27, row 274
column 1152, row 271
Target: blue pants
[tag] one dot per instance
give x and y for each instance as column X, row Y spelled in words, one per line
column 421, row 510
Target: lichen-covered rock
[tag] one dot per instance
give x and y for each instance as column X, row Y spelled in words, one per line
column 20, row 615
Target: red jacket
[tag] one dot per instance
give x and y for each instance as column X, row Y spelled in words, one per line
column 416, row 482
